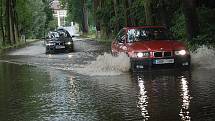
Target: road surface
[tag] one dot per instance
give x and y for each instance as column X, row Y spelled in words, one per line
column 91, row 85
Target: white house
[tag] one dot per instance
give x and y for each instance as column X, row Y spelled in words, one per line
column 59, row 12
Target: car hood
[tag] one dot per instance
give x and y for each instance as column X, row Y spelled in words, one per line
column 157, row 45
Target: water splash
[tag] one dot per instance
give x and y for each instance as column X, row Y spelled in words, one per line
column 203, row 57
column 107, row 65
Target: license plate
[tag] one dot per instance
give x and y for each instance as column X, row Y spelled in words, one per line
column 60, row 47
column 163, row 61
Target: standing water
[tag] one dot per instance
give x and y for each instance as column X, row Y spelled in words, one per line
column 79, row 87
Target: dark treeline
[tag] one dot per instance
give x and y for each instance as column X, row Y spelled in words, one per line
column 191, row 20
column 23, row 17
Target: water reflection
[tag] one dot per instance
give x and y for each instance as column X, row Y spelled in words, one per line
column 49, row 55
column 70, row 56
column 30, row 93
column 186, row 98
column 164, row 95
column 143, row 99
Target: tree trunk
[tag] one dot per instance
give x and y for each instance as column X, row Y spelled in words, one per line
column 85, row 17
column 2, row 23
column 12, row 33
column 126, row 12
column 8, row 39
column 130, row 20
column 15, row 26
column 163, row 14
column 191, row 18
column 116, row 27
column 148, row 12
column 97, row 22
column 2, row 31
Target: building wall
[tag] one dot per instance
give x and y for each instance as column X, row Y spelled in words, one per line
column 59, row 12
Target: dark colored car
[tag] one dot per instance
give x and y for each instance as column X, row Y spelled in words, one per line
column 58, row 41
column 151, row 46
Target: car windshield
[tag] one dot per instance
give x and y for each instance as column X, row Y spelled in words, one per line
column 53, row 35
column 146, row 34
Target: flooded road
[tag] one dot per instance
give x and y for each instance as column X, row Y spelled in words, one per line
column 88, row 85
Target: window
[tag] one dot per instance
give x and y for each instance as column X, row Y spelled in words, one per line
column 121, row 36
column 145, row 34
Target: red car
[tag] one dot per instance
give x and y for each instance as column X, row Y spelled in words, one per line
column 149, row 46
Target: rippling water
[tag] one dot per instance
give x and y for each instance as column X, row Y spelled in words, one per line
column 166, row 95
column 52, row 90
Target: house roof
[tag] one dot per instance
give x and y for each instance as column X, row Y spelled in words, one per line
column 55, row 5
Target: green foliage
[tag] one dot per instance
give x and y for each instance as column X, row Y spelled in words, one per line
column 52, row 25
column 35, row 16
column 178, row 27
column 75, row 11
column 49, row 15
column 106, row 18
column 206, row 35
column 32, row 17
column 137, row 12
column 207, row 25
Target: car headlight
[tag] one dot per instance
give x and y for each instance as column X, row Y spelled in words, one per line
column 180, row 52
column 49, row 44
column 142, row 54
column 68, row 43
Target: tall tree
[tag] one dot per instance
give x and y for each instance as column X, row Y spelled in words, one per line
column 191, row 18
column 96, row 6
column 8, row 37
column 127, row 6
column 148, row 12
column 11, row 24
column 85, row 17
column 2, row 21
column 163, row 13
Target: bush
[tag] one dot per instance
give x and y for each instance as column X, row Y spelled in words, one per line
column 178, row 27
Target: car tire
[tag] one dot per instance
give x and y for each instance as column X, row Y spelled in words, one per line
column 133, row 67
column 69, row 50
column 48, row 51
column 187, row 67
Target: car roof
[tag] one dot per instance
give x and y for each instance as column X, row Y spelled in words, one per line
column 139, row 27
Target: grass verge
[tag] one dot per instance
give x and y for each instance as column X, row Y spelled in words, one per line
column 98, row 37
column 6, row 48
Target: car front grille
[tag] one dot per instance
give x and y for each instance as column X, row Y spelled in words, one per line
column 59, row 43
column 158, row 54
column 162, row 54
column 167, row 54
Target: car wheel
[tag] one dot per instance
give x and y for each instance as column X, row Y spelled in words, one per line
column 133, row 67
column 69, row 50
column 49, row 51
column 188, row 65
